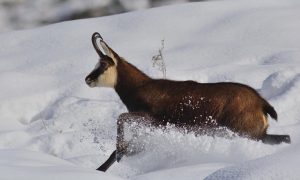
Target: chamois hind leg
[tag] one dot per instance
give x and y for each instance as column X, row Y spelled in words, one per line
column 122, row 145
column 272, row 138
column 276, row 139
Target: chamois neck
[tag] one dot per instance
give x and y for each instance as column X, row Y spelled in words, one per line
column 129, row 78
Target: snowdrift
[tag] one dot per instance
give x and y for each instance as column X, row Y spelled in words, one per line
column 21, row 164
column 53, row 124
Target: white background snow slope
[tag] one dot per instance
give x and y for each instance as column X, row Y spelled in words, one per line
column 53, row 125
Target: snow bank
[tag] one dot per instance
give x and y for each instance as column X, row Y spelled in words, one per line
column 282, row 165
column 46, row 107
column 20, row 164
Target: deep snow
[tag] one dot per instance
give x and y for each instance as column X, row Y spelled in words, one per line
column 50, row 118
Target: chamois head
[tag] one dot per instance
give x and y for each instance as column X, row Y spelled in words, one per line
column 105, row 71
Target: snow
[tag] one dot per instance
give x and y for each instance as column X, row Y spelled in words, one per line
column 21, row 164
column 135, row 4
column 281, row 165
column 53, row 125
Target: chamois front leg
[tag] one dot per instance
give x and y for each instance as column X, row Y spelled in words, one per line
column 122, row 145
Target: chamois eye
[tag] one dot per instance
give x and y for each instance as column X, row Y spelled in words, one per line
column 104, row 65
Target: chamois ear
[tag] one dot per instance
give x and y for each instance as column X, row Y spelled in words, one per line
column 96, row 36
column 108, row 51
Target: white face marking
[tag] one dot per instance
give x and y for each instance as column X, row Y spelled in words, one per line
column 108, row 78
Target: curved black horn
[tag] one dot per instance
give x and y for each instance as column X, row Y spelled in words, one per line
column 95, row 36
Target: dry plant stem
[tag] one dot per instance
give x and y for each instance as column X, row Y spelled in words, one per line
column 159, row 60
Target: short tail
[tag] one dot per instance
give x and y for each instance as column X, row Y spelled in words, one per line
column 268, row 109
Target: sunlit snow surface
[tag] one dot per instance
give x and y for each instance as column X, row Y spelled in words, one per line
column 53, row 124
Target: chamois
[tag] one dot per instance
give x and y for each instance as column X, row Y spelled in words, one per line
column 189, row 104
